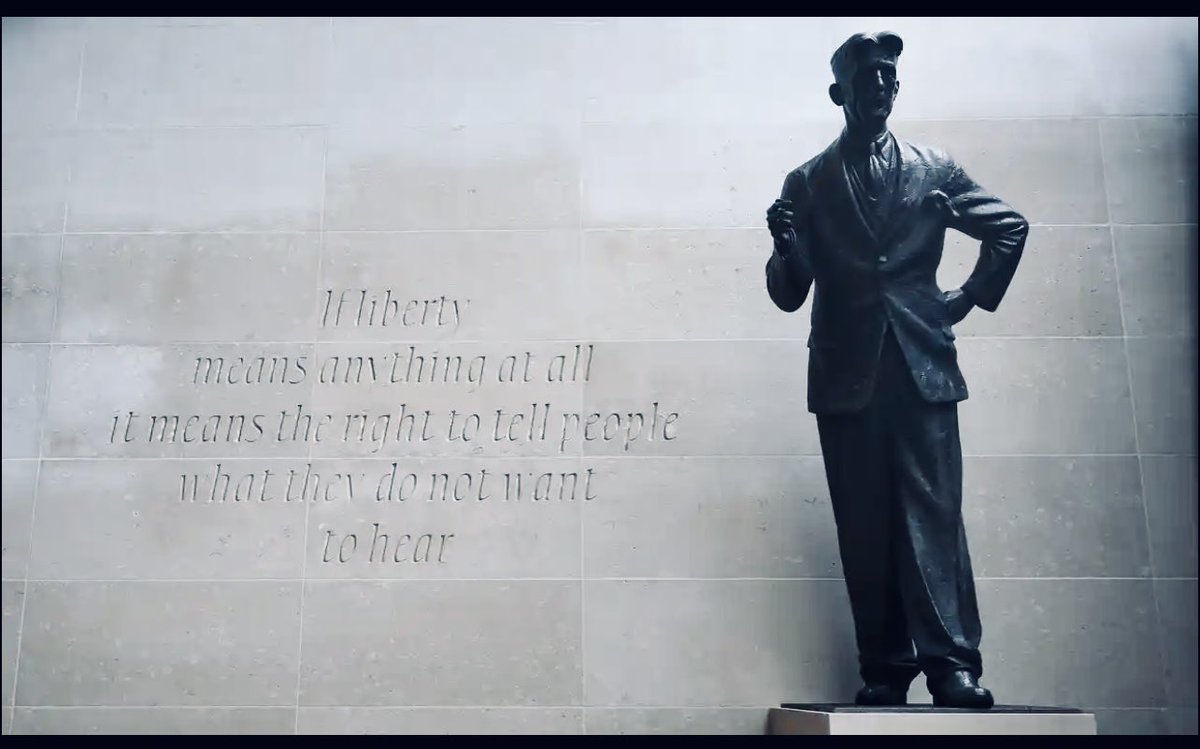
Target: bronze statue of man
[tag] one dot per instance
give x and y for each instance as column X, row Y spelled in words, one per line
column 863, row 224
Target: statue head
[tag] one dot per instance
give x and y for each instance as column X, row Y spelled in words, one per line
column 865, row 83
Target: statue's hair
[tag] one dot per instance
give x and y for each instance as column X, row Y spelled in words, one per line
column 844, row 59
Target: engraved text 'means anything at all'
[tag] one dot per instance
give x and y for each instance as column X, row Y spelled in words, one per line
column 372, row 307
column 415, row 365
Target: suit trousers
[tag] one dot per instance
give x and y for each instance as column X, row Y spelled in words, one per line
column 895, row 479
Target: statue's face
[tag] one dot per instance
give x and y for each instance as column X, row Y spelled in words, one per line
column 873, row 92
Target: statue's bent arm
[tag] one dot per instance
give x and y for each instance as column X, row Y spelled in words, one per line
column 789, row 273
column 1000, row 230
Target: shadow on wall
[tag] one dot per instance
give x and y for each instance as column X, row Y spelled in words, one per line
column 1187, row 62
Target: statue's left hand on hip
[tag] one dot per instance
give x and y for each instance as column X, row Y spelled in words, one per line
column 958, row 305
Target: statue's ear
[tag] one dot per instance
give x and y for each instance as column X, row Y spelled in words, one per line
column 835, row 94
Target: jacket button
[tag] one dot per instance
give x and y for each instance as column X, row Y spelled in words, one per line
column 883, row 258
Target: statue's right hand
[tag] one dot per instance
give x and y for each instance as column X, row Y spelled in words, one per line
column 781, row 222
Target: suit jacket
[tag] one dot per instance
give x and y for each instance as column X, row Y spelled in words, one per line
column 865, row 280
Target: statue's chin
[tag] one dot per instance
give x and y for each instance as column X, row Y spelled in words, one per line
column 870, row 121
column 879, row 114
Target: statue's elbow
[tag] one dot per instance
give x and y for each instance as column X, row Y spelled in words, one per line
column 784, row 298
column 785, row 302
column 781, row 292
column 1020, row 229
column 1011, row 240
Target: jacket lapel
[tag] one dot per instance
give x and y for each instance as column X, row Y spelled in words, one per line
column 907, row 194
column 843, row 211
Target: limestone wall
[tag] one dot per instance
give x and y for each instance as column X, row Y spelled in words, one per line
column 275, row 289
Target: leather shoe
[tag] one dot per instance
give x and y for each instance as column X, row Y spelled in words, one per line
column 960, row 689
column 881, row 695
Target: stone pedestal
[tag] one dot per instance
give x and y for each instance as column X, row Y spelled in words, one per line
column 831, row 720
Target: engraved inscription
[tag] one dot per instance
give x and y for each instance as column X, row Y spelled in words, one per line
column 394, row 548
column 369, row 307
column 523, row 398
column 256, row 370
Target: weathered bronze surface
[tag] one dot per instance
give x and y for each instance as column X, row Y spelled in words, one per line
column 862, row 225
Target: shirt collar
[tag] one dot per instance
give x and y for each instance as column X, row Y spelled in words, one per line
column 859, row 147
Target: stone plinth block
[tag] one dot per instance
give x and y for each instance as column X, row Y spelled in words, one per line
column 831, row 720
